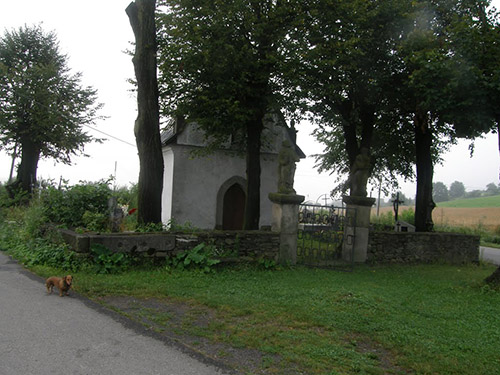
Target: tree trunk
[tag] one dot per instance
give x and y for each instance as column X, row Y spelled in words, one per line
column 141, row 14
column 360, row 163
column 252, row 204
column 423, row 144
column 27, row 170
column 498, row 132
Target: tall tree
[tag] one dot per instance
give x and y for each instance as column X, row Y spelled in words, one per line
column 440, row 192
column 347, row 70
column 457, row 190
column 43, row 107
column 444, row 89
column 492, row 189
column 141, row 14
column 379, row 72
column 219, row 68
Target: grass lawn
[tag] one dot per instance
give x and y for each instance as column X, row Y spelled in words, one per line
column 429, row 319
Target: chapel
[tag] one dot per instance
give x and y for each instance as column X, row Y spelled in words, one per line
column 208, row 190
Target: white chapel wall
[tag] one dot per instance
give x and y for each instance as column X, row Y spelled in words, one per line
column 168, row 183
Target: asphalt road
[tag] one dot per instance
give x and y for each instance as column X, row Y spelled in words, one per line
column 490, row 254
column 47, row 334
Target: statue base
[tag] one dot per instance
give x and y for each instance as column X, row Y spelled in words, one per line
column 286, row 198
column 285, row 213
column 357, row 225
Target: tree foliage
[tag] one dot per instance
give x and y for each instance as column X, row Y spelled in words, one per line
column 401, row 79
column 385, row 72
column 440, row 192
column 444, row 89
column 219, row 67
column 492, row 189
column 348, row 71
column 43, row 107
column 457, row 190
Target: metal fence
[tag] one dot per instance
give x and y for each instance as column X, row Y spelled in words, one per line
column 326, row 236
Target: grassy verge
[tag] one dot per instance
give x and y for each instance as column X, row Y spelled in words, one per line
column 432, row 319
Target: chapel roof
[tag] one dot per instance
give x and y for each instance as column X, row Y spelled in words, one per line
column 175, row 127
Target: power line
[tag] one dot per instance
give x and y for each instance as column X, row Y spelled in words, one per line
column 109, row 135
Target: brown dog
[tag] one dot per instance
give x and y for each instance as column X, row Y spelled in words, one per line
column 62, row 283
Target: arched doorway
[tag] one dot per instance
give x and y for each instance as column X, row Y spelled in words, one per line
column 233, row 211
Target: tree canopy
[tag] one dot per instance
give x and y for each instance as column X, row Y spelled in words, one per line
column 43, row 107
column 395, row 80
column 440, row 192
column 218, row 65
column 444, row 88
column 457, row 190
column 349, row 69
column 395, row 75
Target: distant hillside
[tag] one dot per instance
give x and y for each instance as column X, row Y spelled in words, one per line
column 493, row 201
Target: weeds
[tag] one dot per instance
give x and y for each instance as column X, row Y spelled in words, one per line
column 200, row 258
column 106, row 262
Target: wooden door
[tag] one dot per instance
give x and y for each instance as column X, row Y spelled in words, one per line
column 234, row 208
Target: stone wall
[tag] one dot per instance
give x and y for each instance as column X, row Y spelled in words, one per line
column 393, row 247
column 383, row 247
column 249, row 245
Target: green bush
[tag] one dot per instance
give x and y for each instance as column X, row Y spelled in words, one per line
column 69, row 204
column 408, row 216
column 34, row 220
column 386, row 220
column 27, row 236
column 95, row 221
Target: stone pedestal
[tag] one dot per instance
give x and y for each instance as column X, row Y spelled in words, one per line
column 285, row 213
column 357, row 228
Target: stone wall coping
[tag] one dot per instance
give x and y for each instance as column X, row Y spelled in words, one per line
column 437, row 234
column 256, row 244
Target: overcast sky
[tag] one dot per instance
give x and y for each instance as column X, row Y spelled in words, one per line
column 95, row 33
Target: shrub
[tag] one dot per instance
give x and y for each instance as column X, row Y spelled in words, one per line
column 69, row 205
column 383, row 222
column 95, row 221
column 386, row 220
column 34, row 220
column 408, row 216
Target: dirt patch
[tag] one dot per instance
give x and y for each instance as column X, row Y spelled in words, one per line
column 207, row 332
column 385, row 358
column 191, row 326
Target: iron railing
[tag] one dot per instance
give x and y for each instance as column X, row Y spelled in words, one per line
column 326, row 236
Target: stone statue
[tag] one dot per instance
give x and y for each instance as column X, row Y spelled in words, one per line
column 287, row 158
column 360, row 172
column 115, row 215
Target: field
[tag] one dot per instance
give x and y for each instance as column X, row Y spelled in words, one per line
column 486, row 217
column 481, row 212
